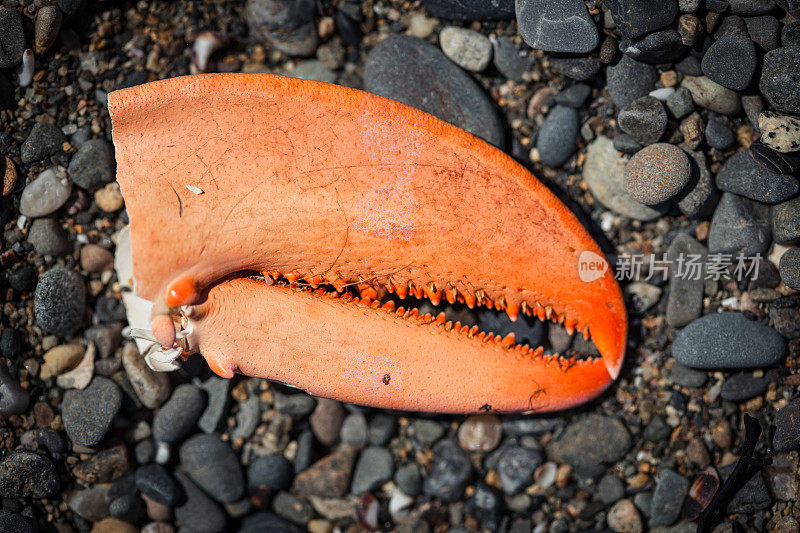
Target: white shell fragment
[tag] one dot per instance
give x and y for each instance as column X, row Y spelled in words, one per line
column 196, row 190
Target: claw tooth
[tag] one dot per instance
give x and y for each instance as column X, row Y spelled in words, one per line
column 508, row 340
column 538, row 352
column 541, row 313
column 448, row 326
column 569, row 325
column 427, row 318
column 292, row 276
column 524, row 308
column 482, row 336
column 586, row 333
column 548, row 311
column 473, row 330
column 501, row 302
column 513, row 311
column 457, row 326
column 400, row 288
column 414, row 313
column 389, row 306
column 375, row 304
column 464, row 328
column 469, row 299
column 451, row 295
column 416, row 291
column 479, row 295
column 367, row 291
column 401, row 310
column 440, row 319
column 433, row 295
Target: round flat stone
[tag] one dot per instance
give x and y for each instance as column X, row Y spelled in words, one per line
column 416, row 73
column 657, row 173
column 644, row 119
column 44, row 140
column 92, row 166
column 579, row 446
column 45, row 195
column 779, row 132
column 556, row 25
column 731, row 61
column 12, row 37
column 786, row 221
column 728, row 340
column 211, row 463
column 789, row 268
column 178, row 416
column 466, row 48
column 671, row 489
column 450, row 471
column 25, row 474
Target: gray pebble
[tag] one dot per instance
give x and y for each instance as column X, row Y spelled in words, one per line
column 728, row 340
column 469, row 10
column 731, row 61
column 765, row 31
column 450, row 471
column 417, row 73
column 700, row 195
column 298, row 404
column 216, row 389
column 786, row 221
column 157, row 484
column 12, row 37
column 718, row 134
column 751, row 7
column 516, row 467
column 292, row 508
column 635, row 18
column 680, row 102
column 663, row 46
column 88, row 413
column 24, row 474
column 381, row 428
column 578, row 444
column 644, row 119
column 468, row 49
column 780, row 79
column 557, row 26
column 44, row 140
column 374, row 467
column 198, row 512
column 574, row 96
column 93, row 165
column 45, row 195
column 687, row 377
column 576, row 68
column 739, row 225
column 610, row 489
column 671, row 489
column 270, row 472
column 409, row 479
column 48, row 237
column 787, row 427
column 743, row 386
column 178, row 416
column 626, row 144
column 211, row 464
column 287, row 26
column 510, row 60
column 685, row 301
column 354, row 430
column 59, row 301
column 790, row 268
column 743, row 176
column 556, row 139
column 628, row 80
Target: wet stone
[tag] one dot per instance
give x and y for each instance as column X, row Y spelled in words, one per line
column 198, row 512
column 743, row 386
column 88, row 413
column 59, row 301
column 557, row 26
column 739, row 225
column 516, row 467
column 25, row 474
column 212, row 464
column 557, row 136
column 44, row 195
column 743, row 176
column 731, row 61
column 92, row 166
column 374, row 467
column 409, row 479
column 786, row 221
column 450, row 471
column 579, row 446
column 780, row 79
column 728, row 340
column 635, row 18
column 789, row 268
column 44, row 140
column 417, row 73
column 610, row 489
column 178, row 416
column 671, row 489
column 156, row 483
column 644, row 119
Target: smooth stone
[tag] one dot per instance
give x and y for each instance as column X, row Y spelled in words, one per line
column 409, row 479
column 157, row 484
column 739, row 225
column 326, row 420
column 12, row 38
column 787, row 427
column 743, row 176
column 480, row 433
column 731, row 61
column 44, row 140
column 663, row 46
column 700, row 195
column 750, row 498
column 48, row 237
column 264, row 522
column 635, row 18
column 604, row 172
column 59, row 301
column 178, row 416
column 88, row 413
column 657, row 430
column 104, row 466
column 25, row 474
column 610, row 489
column 374, row 467
column 516, row 467
column 711, row 95
column 450, row 470
column 790, row 34
column 786, row 221
column 685, row 300
column 718, row 134
column 626, row 144
column 61, row 359
column 628, row 80
column 217, row 390
column 292, row 508
column 751, row 7
column 789, row 268
column 311, row 69
column 687, row 377
column 780, row 79
column 642, row 295
column 198, row 512
column 680, row 103
column 44, row 195
column 212, row 464
column 510, row 60
column 382, row 428
column 272, row 473
column 287, row 25
column 671, row 489
column 14, row 400
column 576, row 68
column 657, row 173
column 728, row 340
column 579, row 446
column 16, row 523
column 689, row 66
column 468, row 49
column 329, row 477
column 418, row 74
column 779, row 132
column 298, row 404
column 774, row 161
column 426, row 432
column 752, row 105
column 644, row 119
column 557, row 26
column 247, row 418
column 151, row 387
column 469, row 10
column 95, row 258
column 92, row 166
column 574, row 96
column 557, row 136
column 91, row 503
column 354, row 430
column 623, row 516
column 743, row 386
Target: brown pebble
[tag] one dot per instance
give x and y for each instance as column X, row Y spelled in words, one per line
column 9, row 176
column 624, row 518
column 698, row 453
column 721, row 434
column 669, row 78
column 693, row 130
column 47, row 25
column 690, row 29
column 155, row 510
column 104, row 466
column 113, row 525
column 657, row 173
column 95, row 258
column 109, row 198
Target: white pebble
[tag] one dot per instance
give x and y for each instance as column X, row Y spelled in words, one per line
column 162, row 453
column 46, row 194
column 663, row 93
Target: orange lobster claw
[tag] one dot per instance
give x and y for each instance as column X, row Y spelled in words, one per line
column 228, row 175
